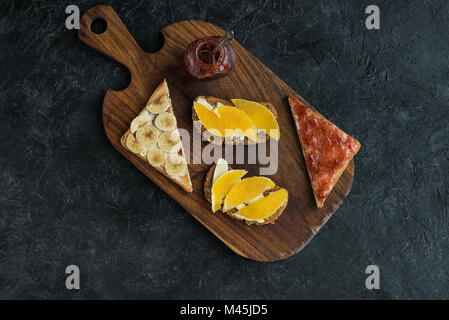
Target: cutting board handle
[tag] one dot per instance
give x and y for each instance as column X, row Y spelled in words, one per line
column 115, row 42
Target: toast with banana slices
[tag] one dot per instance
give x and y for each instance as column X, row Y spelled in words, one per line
column 153, row 136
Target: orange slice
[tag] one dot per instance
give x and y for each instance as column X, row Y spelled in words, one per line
column 262, row 117
column 225, row 121
column 265, row 207
column 222, row 186
column 246, row 190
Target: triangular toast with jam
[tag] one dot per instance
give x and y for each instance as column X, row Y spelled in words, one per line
column 326, row 148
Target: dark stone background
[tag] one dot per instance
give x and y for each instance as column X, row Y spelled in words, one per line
column 67, row 197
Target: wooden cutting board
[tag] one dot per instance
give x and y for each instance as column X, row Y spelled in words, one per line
column 251, row 80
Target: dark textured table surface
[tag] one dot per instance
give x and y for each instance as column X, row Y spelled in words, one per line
column 68, row 197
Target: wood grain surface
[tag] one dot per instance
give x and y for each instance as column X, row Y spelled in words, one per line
column 250, row 80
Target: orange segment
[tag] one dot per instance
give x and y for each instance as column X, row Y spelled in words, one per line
column 265, row 207
column 209, row 119
column 225, row 121
column 246, row 190
column 236, row 121
column 262, row 117
column 222, row 186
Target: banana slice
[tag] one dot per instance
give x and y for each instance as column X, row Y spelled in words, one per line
column 133, row 145
column 169, row 141
column 141, row 120
column 176, row 165
column 160, row 106
column 147, row 135
column 156, row 157
column 166, row 121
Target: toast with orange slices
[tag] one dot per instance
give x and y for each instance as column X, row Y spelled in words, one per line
column 254, row 200
column 234, row 121
column 153, row 136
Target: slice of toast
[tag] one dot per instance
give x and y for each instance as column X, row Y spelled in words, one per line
column 182, row 179
column 208, row 195
column 327, row 150
column 208, row 136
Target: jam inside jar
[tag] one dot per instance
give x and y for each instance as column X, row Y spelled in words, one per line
column 202, row 63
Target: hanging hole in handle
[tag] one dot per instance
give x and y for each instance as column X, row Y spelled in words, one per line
column 98, row 25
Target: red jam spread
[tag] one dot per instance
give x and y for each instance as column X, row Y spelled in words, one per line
column 327, row 148
column 201, row 63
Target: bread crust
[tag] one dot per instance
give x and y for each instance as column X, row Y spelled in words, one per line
column 208, row 194
column 183, row 181
column 220, row 140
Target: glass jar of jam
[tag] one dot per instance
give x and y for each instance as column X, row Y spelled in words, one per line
column 203, row 63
